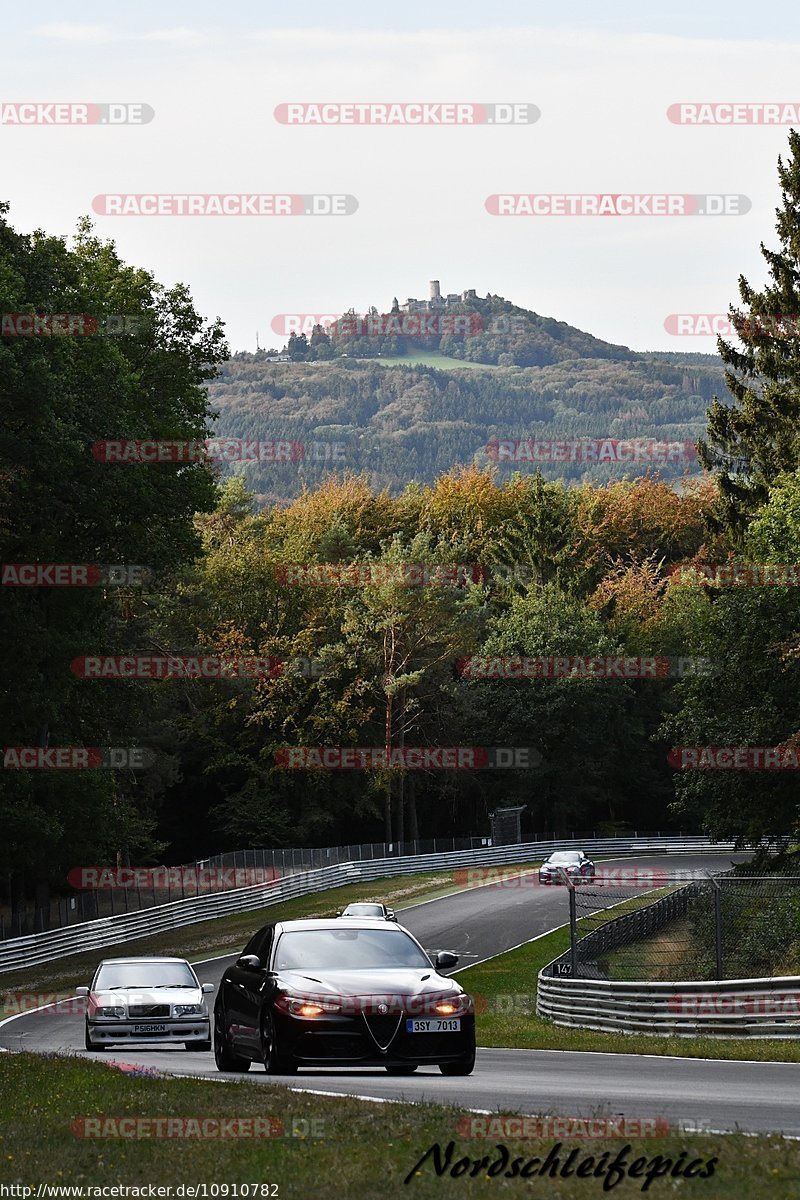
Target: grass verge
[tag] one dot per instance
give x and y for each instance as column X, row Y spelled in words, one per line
column 360, row 1151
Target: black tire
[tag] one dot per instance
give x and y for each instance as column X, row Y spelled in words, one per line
column 224, row 1057
column 402, row 1069
column 462, row 1066
column 275, row 1063
column 91, row 1045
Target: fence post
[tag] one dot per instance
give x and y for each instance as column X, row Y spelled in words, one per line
column 717, row 925
column 573, row 928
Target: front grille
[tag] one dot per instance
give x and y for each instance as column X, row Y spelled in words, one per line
column 428, row 1045
column 382, row 1029
column 332, row 1045
column 148, row 1010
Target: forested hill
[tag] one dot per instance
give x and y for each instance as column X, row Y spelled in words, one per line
column 413, row 414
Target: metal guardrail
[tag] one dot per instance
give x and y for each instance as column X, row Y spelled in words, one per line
column 756, row 1008
column 22, row 952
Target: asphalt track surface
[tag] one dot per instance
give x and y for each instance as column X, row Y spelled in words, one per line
column 477, row 924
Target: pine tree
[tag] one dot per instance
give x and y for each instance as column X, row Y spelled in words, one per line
column 756, row 439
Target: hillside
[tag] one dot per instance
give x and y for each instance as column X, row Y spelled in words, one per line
column 376, row 407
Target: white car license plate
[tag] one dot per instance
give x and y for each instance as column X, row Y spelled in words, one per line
column 435, row 1025
column 152, row 1028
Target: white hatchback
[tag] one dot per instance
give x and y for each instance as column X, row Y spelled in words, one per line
column 146, row 1000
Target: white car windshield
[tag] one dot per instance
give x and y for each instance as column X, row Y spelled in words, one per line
column 363, row 910
column 347, row 950
column 116, row 976
column 568, row 856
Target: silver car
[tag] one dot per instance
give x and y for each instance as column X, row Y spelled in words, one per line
column 146, row 1000
column 574, row 862
column 379, row 911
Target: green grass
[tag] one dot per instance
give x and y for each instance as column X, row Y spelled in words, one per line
column 513, row 1022
column 360, row 1151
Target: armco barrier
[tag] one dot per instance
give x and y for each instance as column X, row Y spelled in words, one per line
column 756, row 1008
column 18, row 953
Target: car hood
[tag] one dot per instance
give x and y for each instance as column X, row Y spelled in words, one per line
column 402, row 982
column 137, row 996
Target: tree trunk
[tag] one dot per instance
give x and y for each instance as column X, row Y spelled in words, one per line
column 387, row 802
column 413, row 832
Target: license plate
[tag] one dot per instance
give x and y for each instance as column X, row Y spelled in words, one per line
column 444, row 1025
column 152, row 1028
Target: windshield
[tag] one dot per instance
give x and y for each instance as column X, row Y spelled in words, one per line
column 363, row 910
column 348, row 950
column 144, row 975
column 567, row 856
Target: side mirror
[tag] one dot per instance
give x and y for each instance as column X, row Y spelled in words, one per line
column 81, row 991
column 445, row 960
column 390, row 915
column 208, row 987
column 249, row 962
column 339, row 912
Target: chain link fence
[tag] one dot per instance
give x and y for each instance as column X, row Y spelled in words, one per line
column 683, row 925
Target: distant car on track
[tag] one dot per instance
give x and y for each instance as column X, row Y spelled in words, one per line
column 355, row 993
column 146, row 1000
column 377, row 911
column 574, row 862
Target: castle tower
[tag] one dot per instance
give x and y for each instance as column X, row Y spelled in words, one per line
column 435, row 291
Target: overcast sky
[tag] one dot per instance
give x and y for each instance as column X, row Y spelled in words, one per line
column 603, row 77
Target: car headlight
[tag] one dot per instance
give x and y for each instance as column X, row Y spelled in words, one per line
column 111, row 1010
column 453, row 1006
column 307, row 1006
column 189, row 1010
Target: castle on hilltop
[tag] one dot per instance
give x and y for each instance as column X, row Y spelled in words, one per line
column 437, row 300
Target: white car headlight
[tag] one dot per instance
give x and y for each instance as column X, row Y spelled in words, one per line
column 188, row 1010
column 448, row 1006
column 111, row 1010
